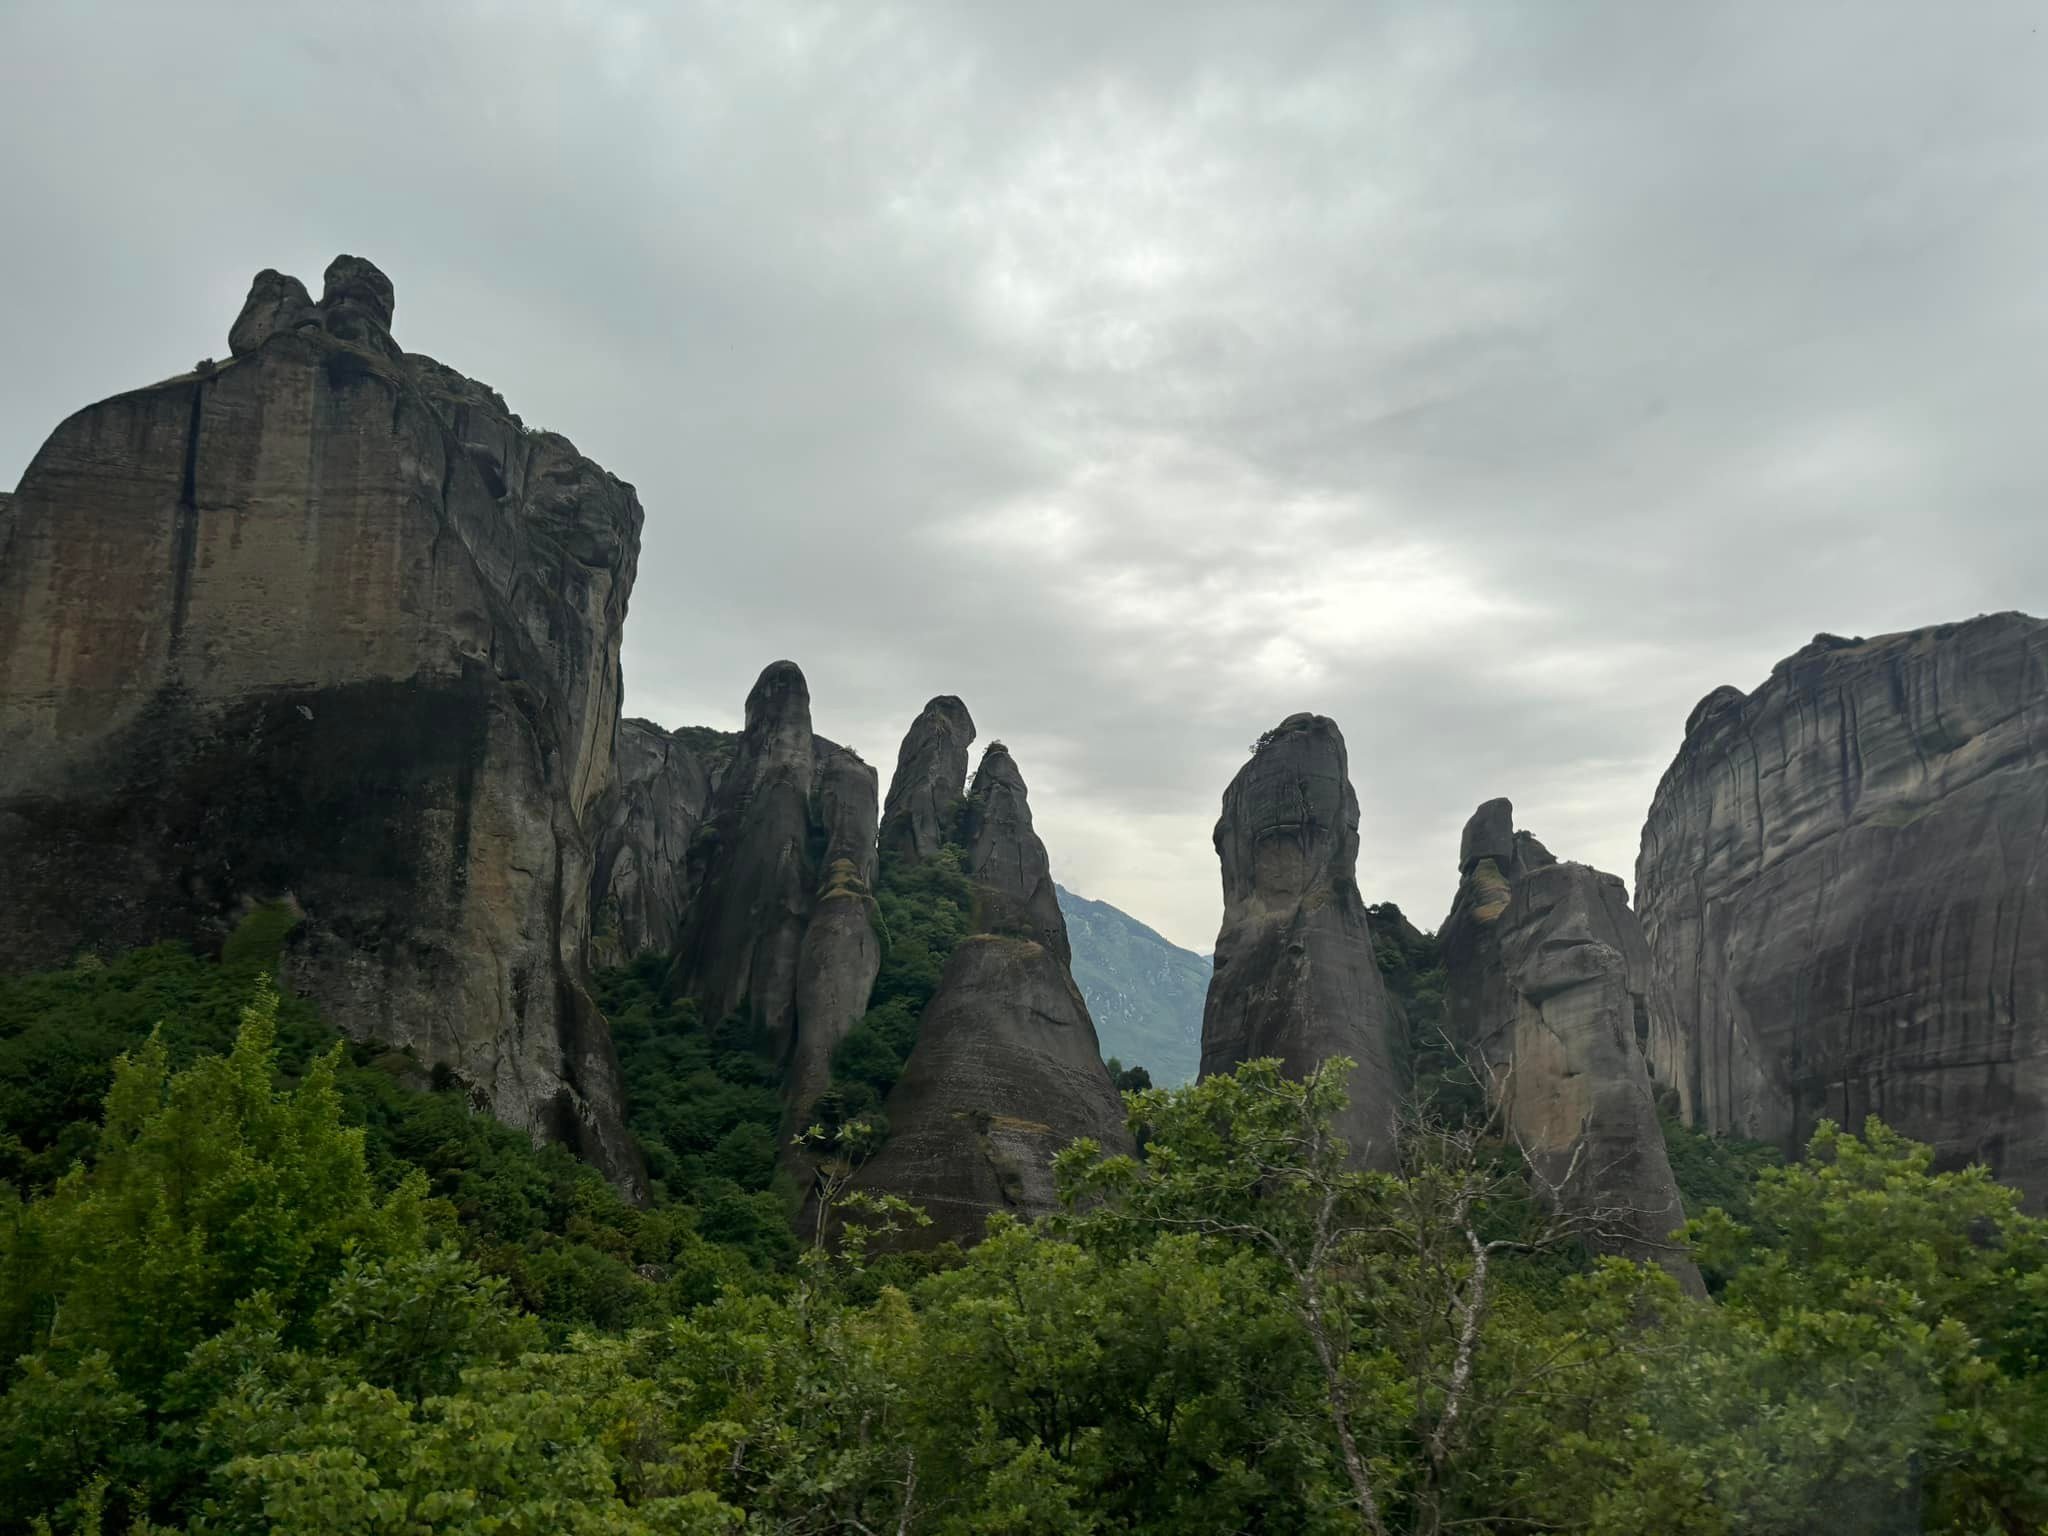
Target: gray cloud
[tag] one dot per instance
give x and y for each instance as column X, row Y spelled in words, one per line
column 1496, row 379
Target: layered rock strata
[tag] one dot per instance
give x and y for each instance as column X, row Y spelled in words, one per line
column 325, row 623
column 1007, row 1068
column 1547, row 997
column 1842, row 885
column 1295, row 974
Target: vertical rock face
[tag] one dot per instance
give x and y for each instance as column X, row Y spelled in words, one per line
column 1007, row 1068
column 841, row 952
column 751, row 867
column 325, row 623
column 925, row 790
column 780, row 918
column 1842, row 884
column 660, row 794
column 1548, row 994
column 1295, row 974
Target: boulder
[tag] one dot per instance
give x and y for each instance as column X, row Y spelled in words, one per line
column 268, row 633
column 1841, row 883
column 1295, row 974
column 1547, row 997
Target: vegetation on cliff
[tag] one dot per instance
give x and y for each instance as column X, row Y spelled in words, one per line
column 265, row 1286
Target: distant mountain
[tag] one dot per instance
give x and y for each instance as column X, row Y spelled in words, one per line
column 1146, row 994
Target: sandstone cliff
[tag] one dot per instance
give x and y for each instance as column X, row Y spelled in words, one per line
column 325, row 623
column 1547, row 983
column 1295, row 973
column 660, row 794
column 1007, row 1068
column 1841, row 882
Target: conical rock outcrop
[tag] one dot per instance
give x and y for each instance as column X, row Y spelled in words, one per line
column 1007, row 1068
column 1295, row 976
column 1547, row 997
column 1006, row 858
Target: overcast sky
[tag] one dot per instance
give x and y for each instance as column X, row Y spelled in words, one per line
column 1494, row 379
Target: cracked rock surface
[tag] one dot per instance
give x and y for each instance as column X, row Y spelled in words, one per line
column 1547, row 996
column 1844, row 885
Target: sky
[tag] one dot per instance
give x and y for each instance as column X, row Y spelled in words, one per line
column 1494, row 379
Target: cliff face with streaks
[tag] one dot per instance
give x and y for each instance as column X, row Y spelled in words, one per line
column 1547, row 995
column 1842, row 885
column 325, row 624
column 660, row 795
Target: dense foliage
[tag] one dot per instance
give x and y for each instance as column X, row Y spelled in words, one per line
column 703, row 1105
column 923, row 911
column 237, row 1309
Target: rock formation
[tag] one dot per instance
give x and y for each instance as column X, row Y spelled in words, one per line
column 1547, row 983
column 325, row 623
column 780, row 922
column 1842, row 884
column 751, row 869
column 1007, row 1068
column 660, row 794
column 1295, row 974
column 931, row 768
column 1007, row 861
column 841, row 951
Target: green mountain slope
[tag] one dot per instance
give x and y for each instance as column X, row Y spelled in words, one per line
column 1145, row 993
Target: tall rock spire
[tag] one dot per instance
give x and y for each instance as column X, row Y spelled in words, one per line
column 1548, row 996
column 1296, row 977
column 1007, row 1068
column 841, row 951
column 1005, row 858
column 750, row 867
column 924, row 795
